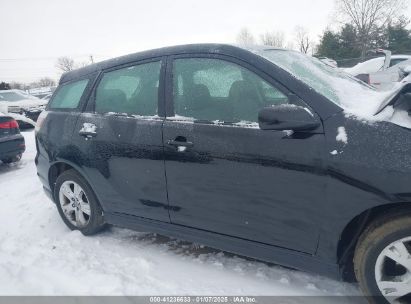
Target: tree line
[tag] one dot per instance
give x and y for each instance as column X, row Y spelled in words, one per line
column 363, row 25
column 302, row 39
column 41, row 83
column 367, row 25
column 63, row 64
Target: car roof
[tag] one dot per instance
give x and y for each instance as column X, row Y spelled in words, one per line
column 323, row 106
column 208, row 48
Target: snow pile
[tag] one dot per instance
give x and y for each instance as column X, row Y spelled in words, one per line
column 88, row 128
column 39, row 255
column 342, row 135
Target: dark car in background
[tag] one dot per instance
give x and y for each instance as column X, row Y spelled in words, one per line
column 249, row 151
column 12, row 145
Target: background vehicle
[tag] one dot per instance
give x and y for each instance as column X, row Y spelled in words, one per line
column 248, row 151
column 21, row 103
column 329, row 61
column 11, row 141
column 385, row 80
column 41, row 92
column 47, row 97
column 377, row 64
column 380, row 72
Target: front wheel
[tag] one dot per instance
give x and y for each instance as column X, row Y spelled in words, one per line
column 382, row 260
column 77, row 204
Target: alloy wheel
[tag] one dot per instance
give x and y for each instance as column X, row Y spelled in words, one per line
column 393, row 271
column 75, row 204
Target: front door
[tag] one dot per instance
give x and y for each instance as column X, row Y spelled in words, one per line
column 227, row 176
column 120, row 140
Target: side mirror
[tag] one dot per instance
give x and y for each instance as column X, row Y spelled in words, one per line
column 287, row 117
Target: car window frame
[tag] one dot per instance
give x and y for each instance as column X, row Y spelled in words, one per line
column 169, row 87
column 83, row 99
column 91, row 102
column 397, row 60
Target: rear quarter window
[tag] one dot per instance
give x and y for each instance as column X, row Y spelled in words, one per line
column 68, row 96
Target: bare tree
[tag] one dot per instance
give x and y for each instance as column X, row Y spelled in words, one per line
column 65, row 64
column 303, row 40
column 245, row 37
column 275, row 39
column 17, row 85
column 369, row 15
column 46, row 82
column 290, row 45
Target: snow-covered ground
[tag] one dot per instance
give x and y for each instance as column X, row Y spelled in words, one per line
column 39, row 255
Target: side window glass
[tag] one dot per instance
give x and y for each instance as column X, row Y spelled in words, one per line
column 217, row 90
column 68, row 95
column 132, row 90
column 396, row 61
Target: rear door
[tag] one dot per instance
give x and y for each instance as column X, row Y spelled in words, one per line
column 119, row 140
column 227, row 176
column 54, row 138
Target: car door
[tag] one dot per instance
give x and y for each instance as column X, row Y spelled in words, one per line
column 119, row 140
column 227, row 176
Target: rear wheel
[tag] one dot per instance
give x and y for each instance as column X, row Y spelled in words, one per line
column 13, row 159
column 382, row 260
column 77, row 204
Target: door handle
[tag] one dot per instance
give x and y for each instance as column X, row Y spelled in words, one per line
column 87, row 133
column 179, row 143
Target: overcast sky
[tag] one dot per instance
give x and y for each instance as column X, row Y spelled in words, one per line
column 36, row 33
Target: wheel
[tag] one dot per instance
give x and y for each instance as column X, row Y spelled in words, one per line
column 12, row 159
column 382, row 260
column 77, row 204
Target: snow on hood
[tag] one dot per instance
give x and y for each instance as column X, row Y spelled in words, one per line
column 355, row 97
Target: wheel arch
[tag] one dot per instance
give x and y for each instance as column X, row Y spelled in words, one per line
column 61, row 166
column 353, row 230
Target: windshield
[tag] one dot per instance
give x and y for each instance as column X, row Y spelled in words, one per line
column 339, row 87
column 12, row 96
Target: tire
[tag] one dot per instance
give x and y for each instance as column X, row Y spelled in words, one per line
column 81, row 211
column 382, row 278
column 13, row 159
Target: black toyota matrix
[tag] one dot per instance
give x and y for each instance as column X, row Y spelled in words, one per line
column 250, row 151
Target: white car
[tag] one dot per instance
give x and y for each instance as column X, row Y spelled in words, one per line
column 19, row 102
column 385, row 80
column 329, row 61
column 377, row 64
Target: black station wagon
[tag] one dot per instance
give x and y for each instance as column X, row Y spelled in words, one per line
column 250, row 151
